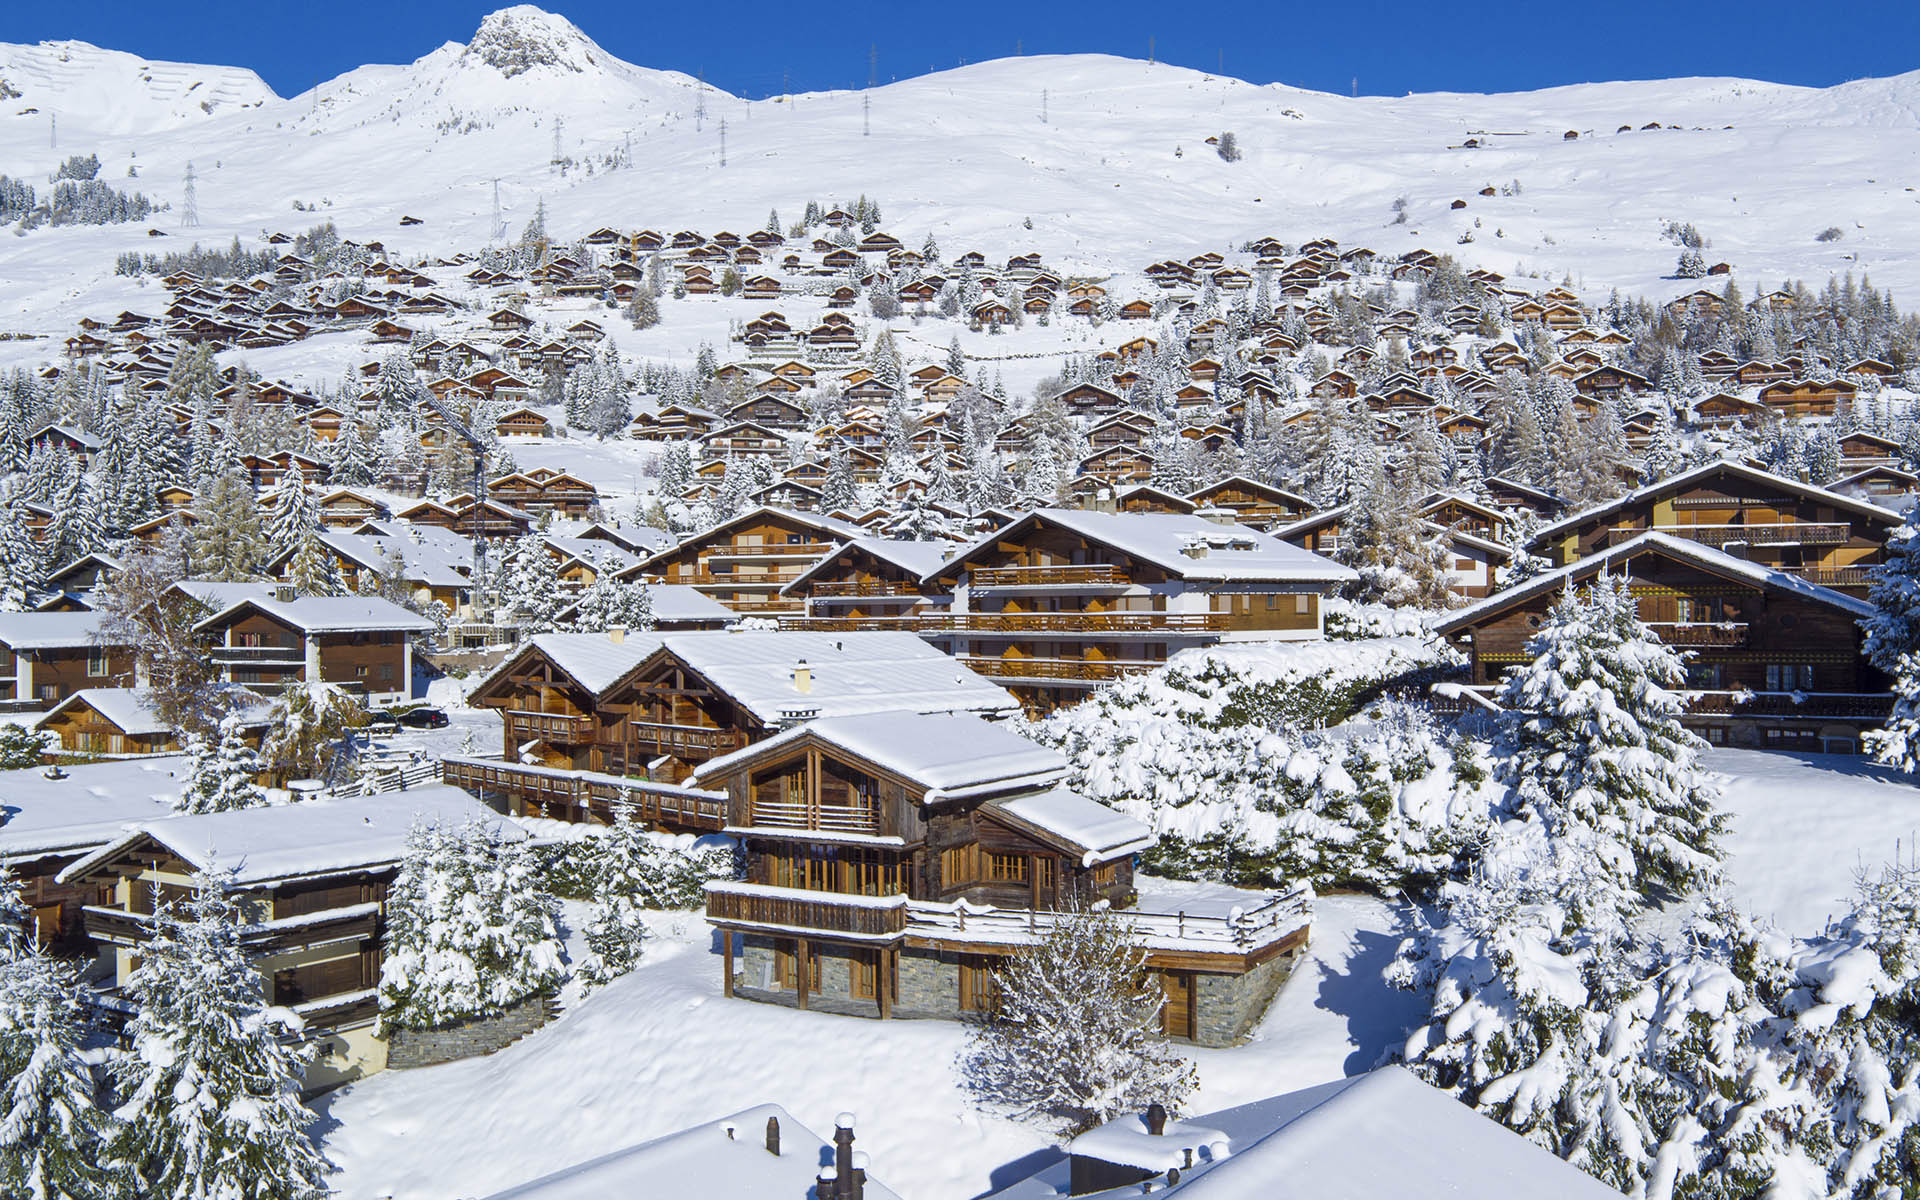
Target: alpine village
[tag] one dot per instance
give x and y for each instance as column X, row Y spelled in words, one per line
column 576, row 685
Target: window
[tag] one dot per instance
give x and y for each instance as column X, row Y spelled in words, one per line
column 1045, row 876
column 1302, row 604
column 1789, row 677
column 1273, row 601
column 96, row 663
column 1103, row 875
column 979, row 987
column 1006, row 868
column 786, row 955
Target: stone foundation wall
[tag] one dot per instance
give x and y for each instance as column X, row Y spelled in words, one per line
column 469, row 1039
column 1227, row 1007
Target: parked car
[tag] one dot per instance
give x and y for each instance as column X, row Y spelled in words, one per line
column 424, row 718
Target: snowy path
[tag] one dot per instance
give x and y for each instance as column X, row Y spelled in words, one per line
column 661, row 1049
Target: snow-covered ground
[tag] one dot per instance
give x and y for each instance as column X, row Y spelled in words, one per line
column 1803, row 824
column 661, row 1049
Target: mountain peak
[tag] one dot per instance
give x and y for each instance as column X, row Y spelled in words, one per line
column 522, row 38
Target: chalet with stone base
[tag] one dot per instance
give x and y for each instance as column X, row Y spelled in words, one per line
column 895, row 859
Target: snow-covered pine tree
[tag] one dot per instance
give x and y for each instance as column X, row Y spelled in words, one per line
column 1400, row 559
column 470, row 929
column 353, row 456
column 1592, row 743
column 219, row 776
column 227, row 540
column 210, row 1090
column 1893, row 643
column 78, row 526
column 292, row 513
column 306, row 726
column 1074, row 1036
column 51, row 1129
column 530, row 586
column 20, row 569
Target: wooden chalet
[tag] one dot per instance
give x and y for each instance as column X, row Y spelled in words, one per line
column 1774, row 662
column 744, row 563
column 362, row 644
column 46, row 657
column 894, row 859
column 1254, row 504
column 1820, row 536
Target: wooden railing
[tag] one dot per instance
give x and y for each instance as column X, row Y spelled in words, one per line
column 119, row 927
column 669, row 739
column 589, row 794
column 1280, row 916
column 865, row 587
column 1833, row 576
column 774, row 550
column 260, row 654
column 856, row 624
column 1095, row 573
column 1045, row 623
column 567, row 729
column 1774, row 533
column 1868, row 705
column 877, row 917
column 1069, row 669
column 827, row 818
column 1700, row 633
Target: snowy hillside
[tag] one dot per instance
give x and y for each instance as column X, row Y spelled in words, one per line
column 1106, row 157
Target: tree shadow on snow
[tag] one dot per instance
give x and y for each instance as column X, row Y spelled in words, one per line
column 1379, row 1016
column 1009, row 1173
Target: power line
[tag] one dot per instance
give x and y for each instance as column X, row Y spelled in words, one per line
column 190, row 203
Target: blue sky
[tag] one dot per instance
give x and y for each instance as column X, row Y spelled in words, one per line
column 756, row 49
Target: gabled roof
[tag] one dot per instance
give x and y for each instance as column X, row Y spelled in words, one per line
column 328, row 614
column 1685, row 479
column 1254, row 486
column 49, row 630
column 1234, row 552
column 946, row 755
column 1680, row 549
column 593, row 660
column 1070, row 821
column 289, row 841
column 837, row 529
column 915, row 558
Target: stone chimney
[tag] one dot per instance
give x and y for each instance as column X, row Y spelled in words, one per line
column 1157, row 1119
column 617, row 634
column 286, row 593
column 773, row 1136
column 802, row 678
column 847, row 1179
column 1194, row 547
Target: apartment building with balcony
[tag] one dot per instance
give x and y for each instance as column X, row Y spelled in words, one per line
column 1061, row 601
column 871, row 583
column 744, row 563
column 1820, row 536
column 310, row 881
column 894, row 860
column 592, row 720
column 1774, row 662
column 362, row 644
column 46, row 657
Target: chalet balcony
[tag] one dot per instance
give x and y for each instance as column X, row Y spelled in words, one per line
column 1782, row 533
column 1700, row 633
column 587, row 795
column 856, row 624
column 1050, row 624
column 1093, row 574
column 759, row 906
column 857, row 588
column 1065, row 670
column 1872, row 706
column 859, row 820
column 358, row 922
column 561, row 729
column 1836, row 577
column 686, row 739
column 771, row 551
column 259, row 655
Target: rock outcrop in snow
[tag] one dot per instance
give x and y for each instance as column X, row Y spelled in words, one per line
column 522, row 38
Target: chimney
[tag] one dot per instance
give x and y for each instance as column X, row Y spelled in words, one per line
column 802, row 677
column 617, row 634
column 1219, row 516
column 1194, row 548
column 773, row 1136
column 1157, row 1119
column 285, row 592
column 849, row 1169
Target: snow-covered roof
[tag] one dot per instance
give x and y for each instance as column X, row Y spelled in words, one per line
column 838, row 529
column 129, row 709
column 1379, row 1136
column 1063, row 815
column 720, row 1159
column 1684, row 549
column 49, row 630
column 218, row 595
column 314, row 837
column 430, row 562
column 918, row 559
column 329, row 614
column 1706, row 470
column 943, row 753
column 597, row 551
column 849, row 673
column 1233, row 552
column 594, row 660
column 679, row 602
column 90, row 805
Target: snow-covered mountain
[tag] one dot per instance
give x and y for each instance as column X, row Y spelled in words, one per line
column 1106, row 157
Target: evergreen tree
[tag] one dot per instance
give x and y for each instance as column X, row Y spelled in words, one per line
column 609, row 601
column 227, row 541
column 293, row 515
column 1075, row 1034
column 220, row 775
column 1401, row 559
column 353, row 456
column 470, row 929
column 307, row 728
column 20, row 568
column 211, row 1086
column 1593, row 746
column 1893, row 643
column 51, row 1130
column 530, row 587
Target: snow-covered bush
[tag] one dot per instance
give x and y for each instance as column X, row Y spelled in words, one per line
column 1893, row 644
column 210, row 1084
column 20, row 747
column 1217, row 753
column 1736, row 1061
column 1074, row 1034
column 306, row 726
column 220, row 776
column 470, row 929
column 1351, row 621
